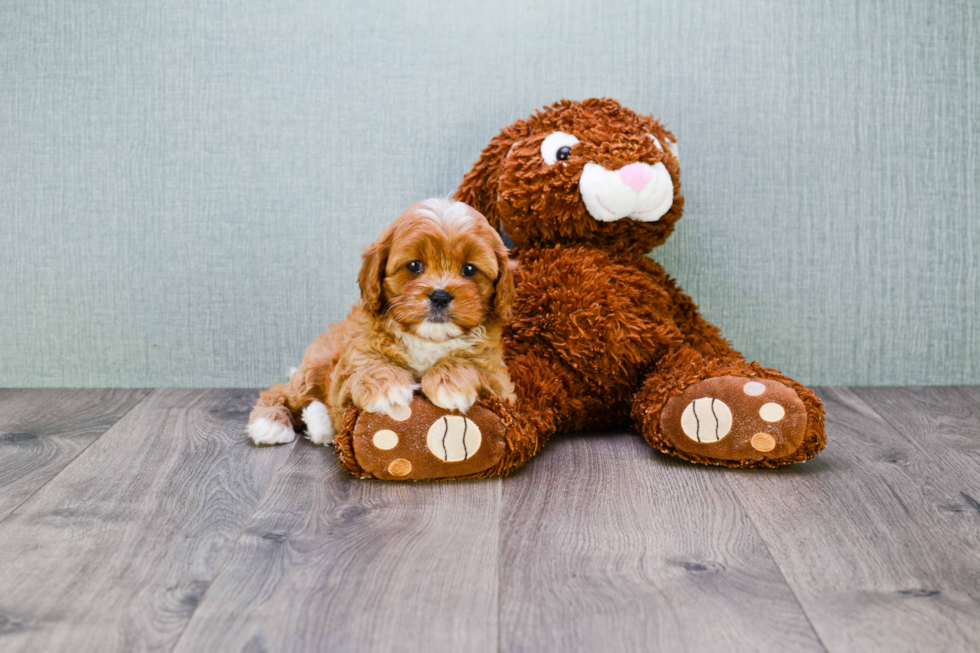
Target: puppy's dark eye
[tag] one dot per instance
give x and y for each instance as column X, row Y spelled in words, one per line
column 469, row 270
column 563, row 153
column 415, row 267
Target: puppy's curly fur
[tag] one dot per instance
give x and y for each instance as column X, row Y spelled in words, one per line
column 436, row 291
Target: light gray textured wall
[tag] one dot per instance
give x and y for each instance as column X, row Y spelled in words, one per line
column 185, row 186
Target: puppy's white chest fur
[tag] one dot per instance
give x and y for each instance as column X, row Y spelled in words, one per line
column 422, row 354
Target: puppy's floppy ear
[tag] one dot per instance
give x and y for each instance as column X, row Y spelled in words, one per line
column 479, row 187
column 372, row 275
column 503, row 298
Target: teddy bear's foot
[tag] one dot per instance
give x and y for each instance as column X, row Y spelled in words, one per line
column 733, row 419
column 422, row 441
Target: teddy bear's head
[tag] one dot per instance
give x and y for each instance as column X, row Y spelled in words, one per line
column 591, row 173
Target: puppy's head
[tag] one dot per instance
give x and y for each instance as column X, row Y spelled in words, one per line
column 438, row 271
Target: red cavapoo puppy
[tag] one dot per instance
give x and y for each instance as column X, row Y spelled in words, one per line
column 436, row 291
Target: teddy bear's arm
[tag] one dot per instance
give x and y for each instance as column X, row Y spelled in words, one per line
column 604, row 316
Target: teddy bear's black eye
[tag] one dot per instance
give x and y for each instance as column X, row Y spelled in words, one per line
column 469, row 270
column 415, row 267
column 557, row 146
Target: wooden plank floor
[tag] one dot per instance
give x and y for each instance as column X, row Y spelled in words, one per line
column 142, row 520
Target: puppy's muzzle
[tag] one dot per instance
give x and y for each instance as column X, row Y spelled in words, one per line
column 439, row 300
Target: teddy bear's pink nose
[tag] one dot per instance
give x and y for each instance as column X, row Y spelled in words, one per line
column 635, row 175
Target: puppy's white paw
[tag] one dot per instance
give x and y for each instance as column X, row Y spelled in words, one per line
column 388, row 403
column 450, row 399
column 266, row 431
column 319, row 426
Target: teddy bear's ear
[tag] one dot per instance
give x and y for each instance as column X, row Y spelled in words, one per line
column 504, row 291
column 479, row 187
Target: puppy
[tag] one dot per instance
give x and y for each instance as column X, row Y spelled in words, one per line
column 436, row 291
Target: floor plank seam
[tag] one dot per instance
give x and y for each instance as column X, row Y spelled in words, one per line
column 81, row 451
column 779, row 567
column 891, row 426
column 500, row 550
column 234, row 545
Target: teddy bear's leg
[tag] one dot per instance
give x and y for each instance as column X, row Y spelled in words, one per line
column 424, row 441
column 725, row 411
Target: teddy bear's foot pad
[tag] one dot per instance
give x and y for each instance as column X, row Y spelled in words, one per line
column 423, row 441
column 731, row 418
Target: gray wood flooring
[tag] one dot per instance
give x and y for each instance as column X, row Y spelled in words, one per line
column 142, row 520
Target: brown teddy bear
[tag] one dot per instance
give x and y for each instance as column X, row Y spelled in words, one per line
column 601, row 337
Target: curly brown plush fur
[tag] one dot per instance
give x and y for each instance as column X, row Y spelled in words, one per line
column 601, row 336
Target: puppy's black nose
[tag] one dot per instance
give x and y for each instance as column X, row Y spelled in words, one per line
column 440, row 298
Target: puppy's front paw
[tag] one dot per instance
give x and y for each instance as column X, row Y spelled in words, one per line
column 392, row 400
column 382, row 389
column 451, row 388
column 451, row 399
